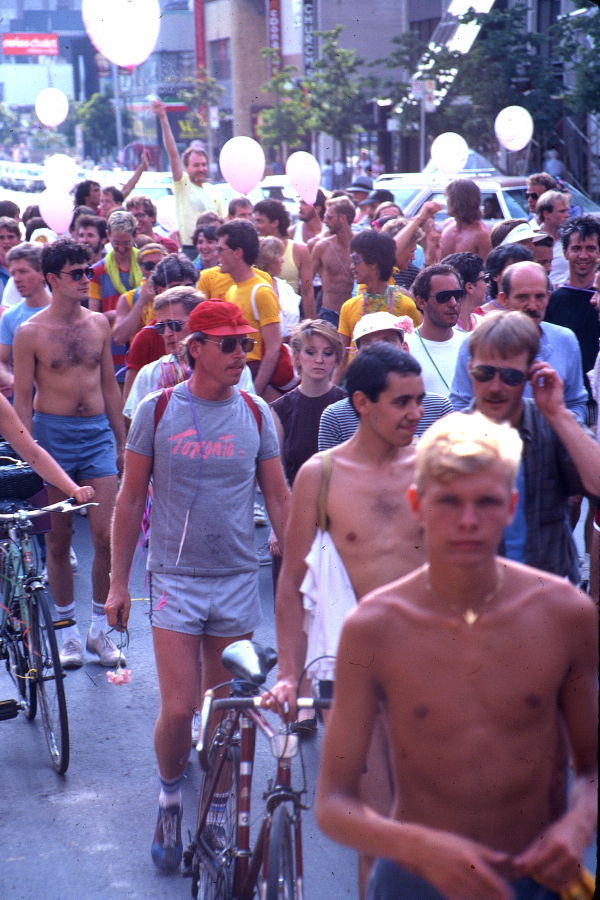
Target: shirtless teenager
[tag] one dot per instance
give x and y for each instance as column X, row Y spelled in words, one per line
column 486, row 670
column 464, row 231
column 65, row 354
column 331, row 258
column 370, row 540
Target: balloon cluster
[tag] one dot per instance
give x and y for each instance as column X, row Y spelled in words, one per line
column 242, row 163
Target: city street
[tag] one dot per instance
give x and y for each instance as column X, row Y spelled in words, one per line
column 88, row 835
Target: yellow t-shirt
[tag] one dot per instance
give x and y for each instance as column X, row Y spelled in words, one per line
column 393, row 301
column 147, row 310
column 190, row 201
column 267, row 307
column 215, row 284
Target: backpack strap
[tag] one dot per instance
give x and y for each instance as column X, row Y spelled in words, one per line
column 165, row 396
column 327, row 459
column 253, row 409
column 161, row 405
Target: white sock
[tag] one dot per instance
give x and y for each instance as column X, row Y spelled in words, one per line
column 67, row 612
column 99, row 623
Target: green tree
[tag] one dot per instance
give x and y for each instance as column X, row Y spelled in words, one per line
column 507, row 65
column 97, row 117
column 9, row 125
column 337, row 90
column 578, row 49
column 284, row 125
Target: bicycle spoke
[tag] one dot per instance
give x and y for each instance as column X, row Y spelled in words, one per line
column 49, row 682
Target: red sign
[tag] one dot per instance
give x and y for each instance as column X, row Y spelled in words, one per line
column 30, row 44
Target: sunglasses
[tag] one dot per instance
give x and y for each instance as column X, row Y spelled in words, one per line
column 531, row 194
column 355, row 259
column 510, row 377
column 229, row 343
column 78, row 274
column 446, row 296
column 148, row 266
column 172, row 324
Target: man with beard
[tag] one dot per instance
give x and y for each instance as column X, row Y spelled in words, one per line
column 91, row 230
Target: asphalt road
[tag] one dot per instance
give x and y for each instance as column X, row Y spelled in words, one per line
column 88, row 835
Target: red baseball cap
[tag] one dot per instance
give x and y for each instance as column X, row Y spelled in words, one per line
column 218, row 317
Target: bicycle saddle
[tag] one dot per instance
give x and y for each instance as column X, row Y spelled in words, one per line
column 249, row 661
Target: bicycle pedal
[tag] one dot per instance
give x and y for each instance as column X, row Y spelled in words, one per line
column 63, row 623
column 9, row 709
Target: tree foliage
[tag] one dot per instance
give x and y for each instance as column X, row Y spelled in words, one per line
column 204, row 91
column 97, row 118
column 9, row 125
column 285, row 124
column 578, row 45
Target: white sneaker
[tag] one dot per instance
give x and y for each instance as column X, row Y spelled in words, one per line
column 195, row 727
column 105, row 649
column 71, row 653
column 260, row 516
column 73, row 559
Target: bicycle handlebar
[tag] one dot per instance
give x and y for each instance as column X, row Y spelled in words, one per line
column 256, row 702
column 67, row 505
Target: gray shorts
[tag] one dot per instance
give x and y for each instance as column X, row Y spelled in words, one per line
column 83, row 445
column 222, row 606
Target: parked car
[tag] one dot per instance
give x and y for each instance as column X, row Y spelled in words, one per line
column 502, row 196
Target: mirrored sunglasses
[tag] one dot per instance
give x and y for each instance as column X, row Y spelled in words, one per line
column 446, row 296
column 229, row 343
column 78, row 274
column 510, row 377
column 171, row 324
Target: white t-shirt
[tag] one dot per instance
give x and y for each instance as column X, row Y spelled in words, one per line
column 559, row 271
column 437, row 358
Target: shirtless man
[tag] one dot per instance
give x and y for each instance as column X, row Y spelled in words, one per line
column 465, row 231
column 370, row 541
column 487, row 673
column 65, row 354
column 331, row 258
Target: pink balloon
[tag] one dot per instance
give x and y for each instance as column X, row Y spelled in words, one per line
column 304, row 172
column 124, row 31
column 56, row 207
column 51, row 106
column 242, row 163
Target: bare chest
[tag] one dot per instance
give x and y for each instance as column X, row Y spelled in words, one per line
column 70, row 347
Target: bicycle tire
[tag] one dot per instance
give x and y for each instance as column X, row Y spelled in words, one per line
column 214, row 860
column 49, row 682
column 281, row 880
column 18, row 640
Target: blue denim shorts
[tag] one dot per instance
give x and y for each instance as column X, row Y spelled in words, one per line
column 83, row 445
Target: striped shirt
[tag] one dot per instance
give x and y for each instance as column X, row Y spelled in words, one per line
column 339, row 421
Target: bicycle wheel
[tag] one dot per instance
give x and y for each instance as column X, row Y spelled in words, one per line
column 18, row 639
column 213, row 856
column 49, row 681
column 281, row 881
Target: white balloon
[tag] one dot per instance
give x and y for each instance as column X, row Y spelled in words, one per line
column 514, row 127
column 449, row 152
column 59, row 172
column 242, row 163
column 56, row 207
column 304, row 172
column 124, row 31
column 51, row 106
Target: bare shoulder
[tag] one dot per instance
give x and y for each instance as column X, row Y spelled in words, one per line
column 548, row 594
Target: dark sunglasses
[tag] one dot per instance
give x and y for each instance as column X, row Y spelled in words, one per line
column 171, row 324
column 78, row 274
column 229, row 343
column 355, row 259
column 446, row 296
column 148, row 266
column 510, row 377
column 531, row 194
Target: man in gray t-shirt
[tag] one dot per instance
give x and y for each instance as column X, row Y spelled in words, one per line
column 204, row 443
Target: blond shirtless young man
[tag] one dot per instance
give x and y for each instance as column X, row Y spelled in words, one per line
column 65, row 354
column 464, row 232
column 331, row 258
column 368, row 516
column 486, row 670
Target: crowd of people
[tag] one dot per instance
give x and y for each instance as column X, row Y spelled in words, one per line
column 411, row 401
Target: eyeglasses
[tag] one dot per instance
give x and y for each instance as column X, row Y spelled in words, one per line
column 229, row 343
column 355, row 259
column 532, row 194
column 148, row 266
column 172, row 324
column 446, row 296
column 78, row 274
column 510, row 377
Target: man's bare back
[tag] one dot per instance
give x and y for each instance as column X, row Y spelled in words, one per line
column 66, row 355
column 331, row 258
column 459, row 237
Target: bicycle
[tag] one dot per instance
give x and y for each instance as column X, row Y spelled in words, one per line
column 27, row 631
column 219, row 858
